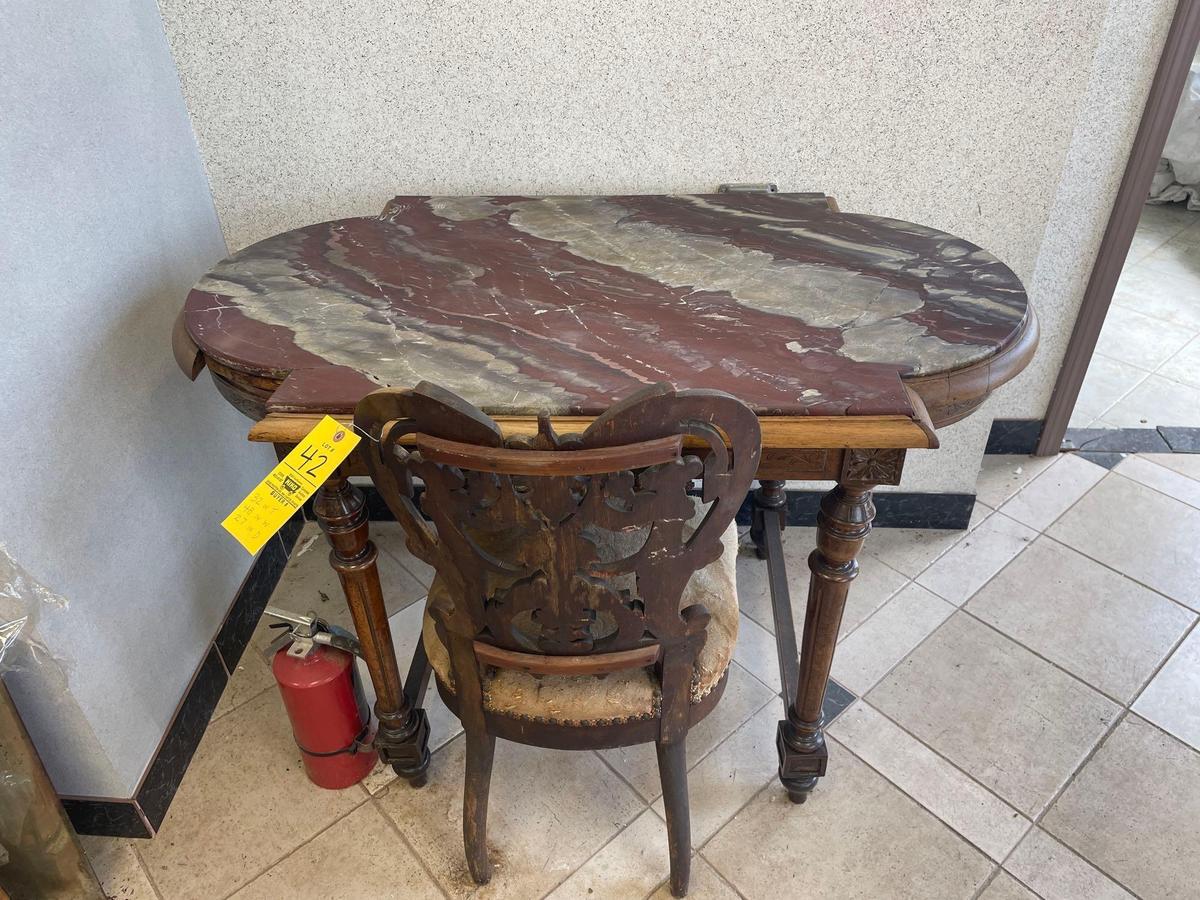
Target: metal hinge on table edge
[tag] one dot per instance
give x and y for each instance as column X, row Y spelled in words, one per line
column 763, row 187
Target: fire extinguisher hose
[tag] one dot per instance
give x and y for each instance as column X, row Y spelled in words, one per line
column 359, row 743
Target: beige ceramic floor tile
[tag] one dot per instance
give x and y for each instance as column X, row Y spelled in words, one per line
column 883, row 640
column 1001, row 475
column 1138, row 339
column 1092, row 621
column 243, row 805
column 1106, row 382
column 1172, row 699
column 857, row 836
column 549, row 811
column 876, row 582
column 117, row 866
column 722, row 782
column 1138, row 531
column 1184, row 366
column 705, row 884
column 1156, row 401
column 1057, row 873
column 360, row 856
column 976, row 558
column 757, row 653
column 1158, row 288
column 911, row 550
column 630, row 865
column 1054, row 492
column 394, row 546
column 1005, row 887
column 1133, row 810
column 1173, row 273
column 970, row 809
column 744, row 695
column 250, row 677
column 1009, row 719
column 1147, row 470
column 309, row 583
column 1184, row 463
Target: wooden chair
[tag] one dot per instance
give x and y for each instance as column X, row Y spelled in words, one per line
column 583, row 598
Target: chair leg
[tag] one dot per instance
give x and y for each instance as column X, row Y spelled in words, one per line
column 672, row 769
column 480, row 749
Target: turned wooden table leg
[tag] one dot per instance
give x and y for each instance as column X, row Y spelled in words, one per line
column 403, row 736
column 770, row 499
column 842, row 524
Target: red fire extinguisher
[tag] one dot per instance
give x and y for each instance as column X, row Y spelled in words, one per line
column 313, row 664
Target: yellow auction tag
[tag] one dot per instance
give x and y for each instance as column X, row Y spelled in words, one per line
column 284, row 490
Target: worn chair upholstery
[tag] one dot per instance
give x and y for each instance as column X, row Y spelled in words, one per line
column 583, row 598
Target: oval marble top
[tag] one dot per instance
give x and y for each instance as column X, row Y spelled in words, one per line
column 563, row 304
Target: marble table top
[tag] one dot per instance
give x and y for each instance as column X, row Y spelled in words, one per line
column 561, row 305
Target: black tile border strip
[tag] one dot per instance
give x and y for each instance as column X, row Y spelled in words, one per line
column 1020, row 436
column 1014, row 436
column 140, row 816
column 893, row 509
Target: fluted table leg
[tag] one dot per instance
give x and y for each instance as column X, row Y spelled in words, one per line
column 403, row 736
column 842, row 524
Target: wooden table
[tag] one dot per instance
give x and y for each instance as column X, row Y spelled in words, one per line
column 853, row 337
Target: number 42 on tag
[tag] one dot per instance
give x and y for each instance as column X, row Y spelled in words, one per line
column 289, row 484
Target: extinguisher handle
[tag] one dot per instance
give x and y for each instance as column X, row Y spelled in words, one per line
column 340, row 639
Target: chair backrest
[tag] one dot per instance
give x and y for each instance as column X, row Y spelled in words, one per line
column 569, row 546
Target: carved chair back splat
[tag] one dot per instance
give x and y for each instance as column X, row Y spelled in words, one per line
column 565, row 557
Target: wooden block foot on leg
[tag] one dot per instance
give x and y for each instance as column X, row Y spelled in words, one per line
column 842, row 526
column 403, row 736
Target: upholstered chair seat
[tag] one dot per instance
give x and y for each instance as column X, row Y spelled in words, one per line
column 619, row 696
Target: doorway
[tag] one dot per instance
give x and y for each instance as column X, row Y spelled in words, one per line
column 1129, row 385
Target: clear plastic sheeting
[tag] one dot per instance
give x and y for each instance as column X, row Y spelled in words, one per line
column 1178, row 175
column 22, row 599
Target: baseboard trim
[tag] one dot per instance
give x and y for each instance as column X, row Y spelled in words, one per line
column 1020, row 436
column 141, row 816
column 893, row 509
column 1014, row 436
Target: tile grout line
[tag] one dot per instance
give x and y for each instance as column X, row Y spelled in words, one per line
column 1164, row 732
column 913, row 579
column 942, row 757
column 1124, row 394
column 137, row 855
column 1102, row 564
column 721, row 875
column 1037, row 821
column 378, row 807
column 1187, row 633
column 625, row 781
column 918, row 802
column 908, row 581
column 650, row 803
column 301, row 845
column 1151, row 487
column 1045, row 532
column 1037, row 653
column 987, row 882
column 637, row 815
column 872, row 614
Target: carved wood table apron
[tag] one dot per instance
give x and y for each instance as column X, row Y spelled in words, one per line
column 852, row 337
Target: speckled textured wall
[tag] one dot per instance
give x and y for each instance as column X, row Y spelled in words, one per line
column 961, row 116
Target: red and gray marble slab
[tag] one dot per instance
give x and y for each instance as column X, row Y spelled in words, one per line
column 561, row 305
